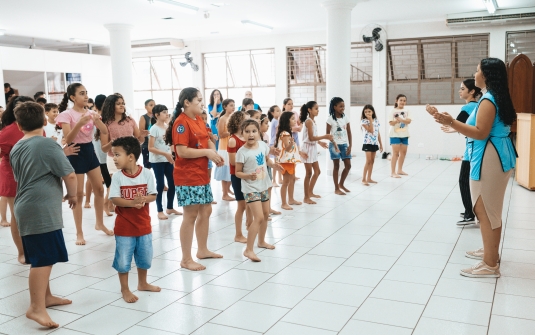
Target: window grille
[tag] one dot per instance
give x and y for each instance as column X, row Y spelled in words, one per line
column 234, row 73
column 307, row 68
column 521, row 42
column 430, row 70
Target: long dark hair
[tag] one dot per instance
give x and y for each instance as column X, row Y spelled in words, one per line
column 370, row 107
column 189, row 93
column 397, row 98
column 495, row 74
column 8, row 117
column 71, row 90
column 156, row 110
column 304, row 110
column 108, row 112
column 225, row 103
column 470, row 85
column 284, row 102
column 212, row 97
column 271, row 111
column 284, row 124
column 334, row 101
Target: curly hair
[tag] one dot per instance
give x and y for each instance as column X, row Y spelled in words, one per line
column 495, row 74
column 129, row 144
column 8, row 117
column 235, row 121
column 108, row 112
column 284, row 124
column 334, row 101
column 304, row 110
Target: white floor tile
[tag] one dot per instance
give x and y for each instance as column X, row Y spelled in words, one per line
column 108, row 320
column 501, row 325
column 382, row 249
column 356, row 327
column 413, row 274
column 458, row 310
column 467, row 290
column 340, row 293
column 213, row 329
column 268, row 264
column 284, row 328
column 394, row 313
column 514, row 306
column 277, row 295
column 23, row 325
column 286, row 251
column 403, row 291
column 356, row 276
column 184, row 281
column 428, row 326
column 205, row 297
column 300, row 277
column 318, row 263
column 516, row 286
column 320, row 315
column 368, row 261
column 250, row 316
column 241, row 279
column 151, row 302
column 179, row 318
column 138, row 330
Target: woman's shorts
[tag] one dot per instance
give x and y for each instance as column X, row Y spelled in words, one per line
column 111, row 165
column 399, row 140
column 44, row 249
column 339, row 155
column 370, row 147
column 86, row 160
column 288, row 168
column 256, row 196
column 194, row 195
column 140, row 247
column 236, row 186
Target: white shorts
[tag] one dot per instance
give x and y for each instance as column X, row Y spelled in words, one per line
column 311, row 149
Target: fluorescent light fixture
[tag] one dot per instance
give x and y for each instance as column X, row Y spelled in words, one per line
column 257, row 25
column 177, row 5
column 82, row 41
column 491, row 6
column 2, row 32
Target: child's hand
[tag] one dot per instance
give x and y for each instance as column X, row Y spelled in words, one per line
column 143, row 133
column 253, row 176
column 96, row 117
column 85, row 119
column 323, row 145
column 170, row 158
column 329, row 137
column 71, row 199
column 445, row 129
column 380, row 148
column 215, row 137
column 303, row 154
column 54, row 138
column 217, row 159
column 274, row 151
column 139, row 201
column 71, row 150
column 348, row 150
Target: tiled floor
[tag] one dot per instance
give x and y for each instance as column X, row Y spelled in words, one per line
column 382, row 260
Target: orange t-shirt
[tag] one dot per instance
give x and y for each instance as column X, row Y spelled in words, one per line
column 191, row 133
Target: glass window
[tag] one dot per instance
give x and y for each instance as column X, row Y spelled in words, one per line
column 520, row 42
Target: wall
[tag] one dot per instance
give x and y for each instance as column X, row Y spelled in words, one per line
column 26, row 82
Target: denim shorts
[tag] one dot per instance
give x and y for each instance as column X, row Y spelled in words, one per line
column 256, row 196
column 399, row 140
column 194, row 195
column 339, row 155
column 127, row 246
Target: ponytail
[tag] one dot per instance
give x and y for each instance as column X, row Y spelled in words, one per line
column 271, row 111
column 63, row 104
column 284, row 102
column 304, row 110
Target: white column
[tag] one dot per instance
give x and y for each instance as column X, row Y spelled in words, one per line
column 379, row 84
column 121, row 62
column 338, row 54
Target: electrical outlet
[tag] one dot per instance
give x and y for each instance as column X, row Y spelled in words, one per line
column 420, row 145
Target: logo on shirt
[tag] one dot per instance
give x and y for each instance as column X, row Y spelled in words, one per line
column 180, row 129
column 130, row 192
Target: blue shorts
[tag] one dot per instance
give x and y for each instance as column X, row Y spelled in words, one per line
column 339, row 155
column 236, row 186
column 127, row 246
column 399, row 140
column 44, row 249
column 194, row 195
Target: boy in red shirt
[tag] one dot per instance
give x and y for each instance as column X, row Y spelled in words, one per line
column 131, row 190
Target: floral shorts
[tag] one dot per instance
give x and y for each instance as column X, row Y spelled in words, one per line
column 256, row 196
column 194, row 195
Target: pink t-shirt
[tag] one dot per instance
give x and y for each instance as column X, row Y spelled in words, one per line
column 116, row 130
column 70, row 116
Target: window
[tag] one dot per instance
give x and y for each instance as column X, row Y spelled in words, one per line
column 520, row 42
column 430, row 70
column 161, row 79
column 234, row 73
column 307, row 73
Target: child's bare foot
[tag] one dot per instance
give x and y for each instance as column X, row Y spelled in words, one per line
column 251, row 255
column 266, row 245
column 5, row 224
column 162, row 216
column 41, row 317
column 339, row 192
column 231, row 193
column 309, row 201
column 192, row 266
column 315, row 196
column 274, row 212
column 208, row 254
column 80, row 239
column 294, row 202
column 344, row 188
column 21, row 259
column 401, row 173
column 56, row 301
column 371, row 181
column 148, row 287
column 227, row 197
column 286, row 207
column 214, row 202
column 103, row 228
column 129, row 297
column 173, row 211
column 240, row 239
column 395, row 176
column 365, row 183
column 87, row 205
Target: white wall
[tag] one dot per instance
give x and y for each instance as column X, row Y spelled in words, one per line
column 95, row 69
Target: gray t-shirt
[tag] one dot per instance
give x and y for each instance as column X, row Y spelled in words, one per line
column 38, row 165
column 254, row 160
column 159, row 143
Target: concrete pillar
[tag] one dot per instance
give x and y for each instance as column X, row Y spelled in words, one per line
column 121, row 63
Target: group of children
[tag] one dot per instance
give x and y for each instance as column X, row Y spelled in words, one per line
column 105, row 144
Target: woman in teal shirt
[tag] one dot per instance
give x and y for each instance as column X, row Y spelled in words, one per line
column 214, row 109
column 492, row 160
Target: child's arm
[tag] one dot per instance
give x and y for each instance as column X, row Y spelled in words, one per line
column 68, row 133
column 153, row 149
column 242, row 175
column 328, row 131
column 368, row 127
column 273, row 165
column 221, row 127
column 349, row 138
column 309, row 124
column 287, row 141
column 380, row 143
column 185, row 152
column 231, row 155
column 139, row 134
column 105, row 142
column 99, row 124
column 71, row 183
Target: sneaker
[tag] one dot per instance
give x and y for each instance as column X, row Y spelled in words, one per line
column 465, row 222
column 482, row 270
column 475, row 254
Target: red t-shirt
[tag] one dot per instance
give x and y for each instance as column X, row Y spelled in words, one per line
column 191, row 133
column 9, row 136
column 239, row 144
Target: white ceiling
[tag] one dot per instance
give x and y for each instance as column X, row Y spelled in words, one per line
column 62, row 19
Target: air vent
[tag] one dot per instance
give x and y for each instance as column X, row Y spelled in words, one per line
column 526, row 15
column 158, row 43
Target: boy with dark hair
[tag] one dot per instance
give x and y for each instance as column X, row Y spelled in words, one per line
column 41, row 101
column 39, row 165
column 38, row 95
column 131, row 190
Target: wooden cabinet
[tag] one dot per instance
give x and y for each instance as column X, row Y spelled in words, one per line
column 525, row 146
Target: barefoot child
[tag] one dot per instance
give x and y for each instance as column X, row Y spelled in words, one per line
column 235, row 142
column 309, row 145
column 222, row 173
column 399, row 135
column 289, row 156
column 264, row 127
column 161, row 161
column 39, row 165
column 77, row 124
column 274, row 114
column 252, row 161
column 338, row 126
column 132, row 188
column 371, row 142
column 193, row 148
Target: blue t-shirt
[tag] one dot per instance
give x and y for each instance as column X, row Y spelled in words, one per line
column 463, row 116
column 213, row 121
column 256, row 106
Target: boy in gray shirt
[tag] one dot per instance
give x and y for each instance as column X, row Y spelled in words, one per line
column 39, row 165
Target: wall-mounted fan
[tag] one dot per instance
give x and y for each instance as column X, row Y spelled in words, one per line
column 372, row 34
column 189, row 60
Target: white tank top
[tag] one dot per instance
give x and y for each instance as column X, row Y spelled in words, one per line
column 305, row 137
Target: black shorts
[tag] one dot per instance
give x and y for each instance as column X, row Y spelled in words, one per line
column 236, row 186
column 44, row 249
column 86, row 160
column 370, row 147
